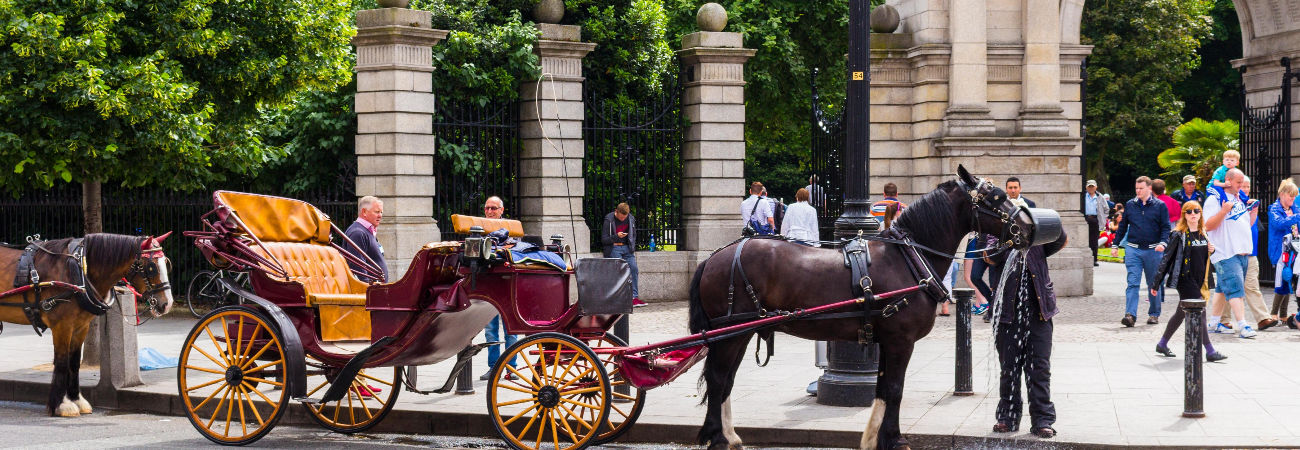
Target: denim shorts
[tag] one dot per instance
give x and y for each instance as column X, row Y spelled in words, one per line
column 1230, row 276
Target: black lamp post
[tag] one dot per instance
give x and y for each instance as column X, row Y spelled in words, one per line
column 850, row 377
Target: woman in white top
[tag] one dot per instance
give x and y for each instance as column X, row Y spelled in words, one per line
column 801, row 220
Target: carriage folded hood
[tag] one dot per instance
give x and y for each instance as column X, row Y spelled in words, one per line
column 277, row 219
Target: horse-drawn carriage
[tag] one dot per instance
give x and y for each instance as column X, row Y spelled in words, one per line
column 310, row 331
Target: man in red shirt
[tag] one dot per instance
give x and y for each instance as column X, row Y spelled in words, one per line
column 1175, row 208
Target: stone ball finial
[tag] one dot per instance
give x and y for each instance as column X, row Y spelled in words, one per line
column 711, row 17
column 549, row 11
column 394, row 3
column 884, row 19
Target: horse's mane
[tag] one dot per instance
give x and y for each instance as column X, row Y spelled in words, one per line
column 102, row 249
column 933, row 208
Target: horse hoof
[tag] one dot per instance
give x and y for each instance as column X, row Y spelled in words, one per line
column 83, row 406
column 67, row 409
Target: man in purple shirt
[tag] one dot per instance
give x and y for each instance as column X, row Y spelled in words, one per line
column 362, row 232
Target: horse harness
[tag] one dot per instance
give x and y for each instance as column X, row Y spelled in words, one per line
column 27, row 281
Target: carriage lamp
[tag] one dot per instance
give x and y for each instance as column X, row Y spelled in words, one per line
column 557, row 241
column 476, row 244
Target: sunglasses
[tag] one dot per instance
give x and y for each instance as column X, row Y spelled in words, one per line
column 491, row 208
column 1192, row 211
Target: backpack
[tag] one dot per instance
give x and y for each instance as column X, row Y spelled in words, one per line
column 778, row 215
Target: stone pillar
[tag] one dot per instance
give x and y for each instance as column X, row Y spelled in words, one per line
column 713, row 157
column 968, row 109
column 395, row 143
column 551, row 185
column 1040, row 110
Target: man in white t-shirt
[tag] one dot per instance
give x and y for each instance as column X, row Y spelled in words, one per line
column 757, row 210
column 1228, row 220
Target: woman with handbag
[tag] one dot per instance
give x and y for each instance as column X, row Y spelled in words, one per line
column 1185, row 267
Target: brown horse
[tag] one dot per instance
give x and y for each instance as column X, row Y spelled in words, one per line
column 107, row 259
column 787, row 276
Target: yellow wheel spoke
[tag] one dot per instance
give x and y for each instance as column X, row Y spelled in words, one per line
column 259, row 353
column 623, row 396
column 362, row 400
column 584, row 405
column 506, row 386
column 579, row 377
column 322, row 384
column 254, row 390
column 352, row 411
column 263, row 366
column 200, row 369
column 541, row 431
column 214, row 360
column 515, row 402
column 236, row 352
column 567, row 368
column 580, row 391
column 578, row 417
column 253, row 406
column 262, row 380
column 619, row 411
column 517, row 416
column 211, row 396
column 525, row 378
column 336, row 410
column 242, row 420
column 567, row 429
column 226, row 328
column 555, row 430
column 216, row 346
column 363, row 375
column 218, row 410
column 530, row 423
column 541, row 355
column 249, row 348
column 210, row 383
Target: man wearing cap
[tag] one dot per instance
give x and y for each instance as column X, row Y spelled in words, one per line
column 1189, row 192
column 1094, row 208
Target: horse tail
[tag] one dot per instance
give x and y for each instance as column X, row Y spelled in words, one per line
column 699, row 320
column 870, row 436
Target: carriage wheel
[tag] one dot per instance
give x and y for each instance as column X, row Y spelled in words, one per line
column 371, row 396
column 218, row 371
column 558, row 397
column 626, row 407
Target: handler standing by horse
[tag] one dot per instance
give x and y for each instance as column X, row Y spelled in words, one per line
column 1024, row 341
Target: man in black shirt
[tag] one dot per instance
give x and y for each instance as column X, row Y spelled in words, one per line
column 618, row 236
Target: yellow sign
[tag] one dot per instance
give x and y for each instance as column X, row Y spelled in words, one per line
column 857, row 76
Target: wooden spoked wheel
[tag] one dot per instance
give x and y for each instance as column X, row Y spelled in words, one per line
column 628, row 400
column 557, row 398
column 368, row 400
column 226, row 357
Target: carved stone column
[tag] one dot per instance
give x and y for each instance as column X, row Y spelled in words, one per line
column 550, row 168
column 713, row 157
column 968, row 109
column 395, row 144
column 1040, row 111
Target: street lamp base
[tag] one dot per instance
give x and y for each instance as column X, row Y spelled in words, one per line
column 836, row 388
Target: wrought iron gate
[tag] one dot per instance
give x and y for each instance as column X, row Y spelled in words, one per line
column 828, row 140
column 477, row 157
column 633, row 154
column 1265, row 142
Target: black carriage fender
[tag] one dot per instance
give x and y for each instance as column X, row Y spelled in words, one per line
column 295, row 365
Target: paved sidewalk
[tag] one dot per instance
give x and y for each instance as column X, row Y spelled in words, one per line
column 1110, row 388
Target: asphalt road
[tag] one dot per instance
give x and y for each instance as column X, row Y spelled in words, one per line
column 25, row 425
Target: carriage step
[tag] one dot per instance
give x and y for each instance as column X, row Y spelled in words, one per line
column 349, row 373
column 463, row 360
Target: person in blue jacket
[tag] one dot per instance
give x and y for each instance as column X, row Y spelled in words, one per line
column 1283, row 220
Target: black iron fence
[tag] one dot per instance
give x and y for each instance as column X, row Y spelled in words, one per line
column 477, row 157
column 826, row 164
column 57, row 213
column 634, row 154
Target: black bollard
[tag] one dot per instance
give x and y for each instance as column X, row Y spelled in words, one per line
column 962, row 384
column 465, row 381
column 1193, row 377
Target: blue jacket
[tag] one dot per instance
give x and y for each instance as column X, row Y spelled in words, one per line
column 366, row 240
column 1144, row 224
column 1278, row 226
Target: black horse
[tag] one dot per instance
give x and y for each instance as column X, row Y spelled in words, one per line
column 787, row 276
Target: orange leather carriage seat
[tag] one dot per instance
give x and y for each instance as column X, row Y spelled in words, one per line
column 461, row 224
column 298, row 235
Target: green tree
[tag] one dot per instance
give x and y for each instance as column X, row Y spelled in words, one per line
column 1142, row 49
column 1198, row 150
column 168, row 93
column 1213, row 90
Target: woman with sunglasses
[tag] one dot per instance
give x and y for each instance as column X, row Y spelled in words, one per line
column 1184, row 267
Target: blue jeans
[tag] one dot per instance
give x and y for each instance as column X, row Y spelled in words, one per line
column 1141, row 261
column 493, row 333
column 624, row 253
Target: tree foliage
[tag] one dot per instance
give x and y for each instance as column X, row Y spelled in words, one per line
column 1142, row 49
column 1212, row 91
column 1198, row 150
column 156, row 92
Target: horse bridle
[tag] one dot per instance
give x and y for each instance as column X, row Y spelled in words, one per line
column 990, row 205
column 148, row 271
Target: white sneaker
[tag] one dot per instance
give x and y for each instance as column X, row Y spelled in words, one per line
column 1246, row 332
column 1219, row 328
